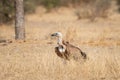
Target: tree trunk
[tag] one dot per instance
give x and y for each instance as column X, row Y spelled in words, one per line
column 19, row 20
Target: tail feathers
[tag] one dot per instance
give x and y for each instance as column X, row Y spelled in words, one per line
column 84, row 55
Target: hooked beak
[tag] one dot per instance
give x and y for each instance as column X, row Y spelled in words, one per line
column 53, row 34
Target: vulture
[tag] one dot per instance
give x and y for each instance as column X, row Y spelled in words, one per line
column 66, row 50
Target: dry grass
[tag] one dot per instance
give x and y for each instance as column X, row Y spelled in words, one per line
column 35, row 59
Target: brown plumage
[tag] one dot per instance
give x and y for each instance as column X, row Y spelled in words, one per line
column 67, row 51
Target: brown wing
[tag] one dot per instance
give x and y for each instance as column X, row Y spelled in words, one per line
column 74, row 51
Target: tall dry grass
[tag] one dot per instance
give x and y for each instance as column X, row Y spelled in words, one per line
column 35, row 59
column 28, row 61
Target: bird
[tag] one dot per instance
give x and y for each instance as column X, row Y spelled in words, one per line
column 66, row 50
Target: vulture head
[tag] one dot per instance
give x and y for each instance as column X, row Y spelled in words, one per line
column 57, row 34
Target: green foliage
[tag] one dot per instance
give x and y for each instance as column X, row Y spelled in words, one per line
column 49, row 4
column 30, row 5
column 6, row 11
column 118, row 3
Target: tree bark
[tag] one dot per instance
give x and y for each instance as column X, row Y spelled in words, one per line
column 19, row 20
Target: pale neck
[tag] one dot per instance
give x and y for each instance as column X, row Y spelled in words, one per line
column 59, row 41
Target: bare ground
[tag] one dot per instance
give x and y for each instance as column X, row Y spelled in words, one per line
column 35, row 59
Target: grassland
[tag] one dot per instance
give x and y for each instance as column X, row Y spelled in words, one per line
column 35, row 58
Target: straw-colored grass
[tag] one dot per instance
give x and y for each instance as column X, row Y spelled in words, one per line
column 35, row 59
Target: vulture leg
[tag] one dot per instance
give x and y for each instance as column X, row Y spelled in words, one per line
column 84, row 55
